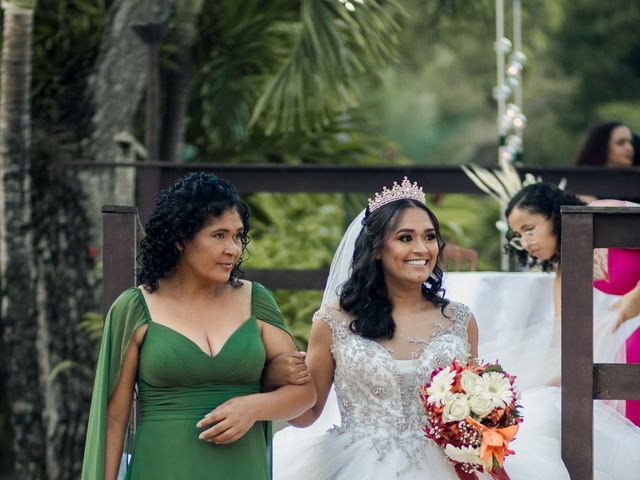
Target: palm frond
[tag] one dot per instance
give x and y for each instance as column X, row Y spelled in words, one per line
column 334, row 47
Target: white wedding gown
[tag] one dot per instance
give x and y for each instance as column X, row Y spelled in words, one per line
column 378, row 433
column 380, row 416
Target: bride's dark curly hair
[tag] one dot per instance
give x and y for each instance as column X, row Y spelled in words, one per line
column 544, row 199
column 364, row 295
column 181, row 211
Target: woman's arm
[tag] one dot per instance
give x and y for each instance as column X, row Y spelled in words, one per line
column 235, row 417
column 557, row 294
column 628, row 306
column 119, row 406
column 285, row 369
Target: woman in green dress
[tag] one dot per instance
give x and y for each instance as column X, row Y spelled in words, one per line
column 195, row 339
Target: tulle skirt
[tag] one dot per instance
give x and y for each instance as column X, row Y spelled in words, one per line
column 314, row 454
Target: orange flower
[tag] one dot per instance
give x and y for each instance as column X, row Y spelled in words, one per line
column 496, row 415
column 495, row 442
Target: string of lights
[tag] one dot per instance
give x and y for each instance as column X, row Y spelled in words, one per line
column 508, row 91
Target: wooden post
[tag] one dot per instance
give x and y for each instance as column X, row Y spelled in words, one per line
column 120, row 240
column 577, row 344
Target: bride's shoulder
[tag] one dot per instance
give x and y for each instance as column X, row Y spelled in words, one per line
column 458, row 312
column 333, row 315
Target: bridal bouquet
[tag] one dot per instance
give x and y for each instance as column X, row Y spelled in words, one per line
column 472, row 413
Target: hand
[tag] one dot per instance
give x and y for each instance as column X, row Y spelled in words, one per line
column 628, row 305
column 230, row 421
column 286, row 369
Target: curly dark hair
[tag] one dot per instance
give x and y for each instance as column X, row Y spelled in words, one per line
column 595, row 150
column 364, row 294
column 181, row 211
column 544, row 199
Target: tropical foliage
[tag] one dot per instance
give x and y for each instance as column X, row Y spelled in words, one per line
column 277, row 81
column 66, row 40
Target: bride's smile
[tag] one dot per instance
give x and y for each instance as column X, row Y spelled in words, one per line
column 410, row 253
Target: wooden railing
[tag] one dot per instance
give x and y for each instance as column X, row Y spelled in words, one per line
column 600, row 181
column 603, row 182
column 583, row 229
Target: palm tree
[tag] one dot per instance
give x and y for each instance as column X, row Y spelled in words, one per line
column 17, row 270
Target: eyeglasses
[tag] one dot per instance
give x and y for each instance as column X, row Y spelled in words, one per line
column 516, row 242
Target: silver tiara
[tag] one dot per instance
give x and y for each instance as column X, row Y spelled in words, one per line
column 406, row 190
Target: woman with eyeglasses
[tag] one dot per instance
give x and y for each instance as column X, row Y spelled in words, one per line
column 533, row 215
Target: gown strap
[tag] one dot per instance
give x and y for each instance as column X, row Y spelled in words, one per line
column 265, row 308
column 459, row 314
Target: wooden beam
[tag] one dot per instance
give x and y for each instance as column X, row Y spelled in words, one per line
column 602, row 182
column 613, row 227
column 616, row 381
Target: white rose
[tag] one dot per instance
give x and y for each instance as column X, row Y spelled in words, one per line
column 469, row 381
column 481, row 405
column 457, row 409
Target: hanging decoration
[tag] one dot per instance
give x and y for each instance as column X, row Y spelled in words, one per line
column 508, row 91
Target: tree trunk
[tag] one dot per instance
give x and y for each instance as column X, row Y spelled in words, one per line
column 120, row 74
column 17, row 270
column 67, row 288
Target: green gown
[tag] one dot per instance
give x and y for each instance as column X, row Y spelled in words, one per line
column 178, row 384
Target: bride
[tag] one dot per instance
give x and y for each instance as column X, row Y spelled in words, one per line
column 376, row 338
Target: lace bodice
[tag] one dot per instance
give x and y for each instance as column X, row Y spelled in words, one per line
column 378, row 396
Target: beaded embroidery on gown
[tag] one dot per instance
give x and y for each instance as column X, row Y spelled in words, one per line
column 380, row 436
